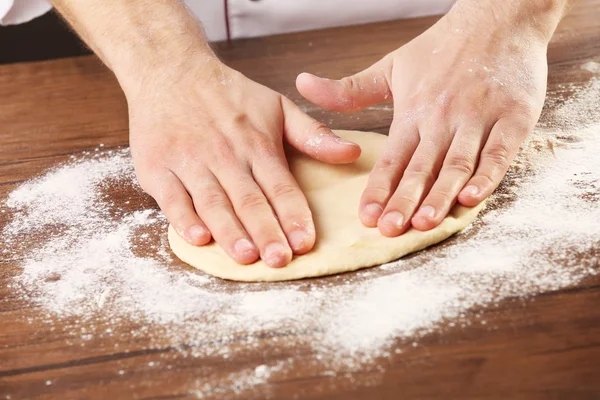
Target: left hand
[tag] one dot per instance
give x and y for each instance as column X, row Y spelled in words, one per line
column 466, row 93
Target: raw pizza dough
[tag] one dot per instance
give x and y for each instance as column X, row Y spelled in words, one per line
column 343, row 242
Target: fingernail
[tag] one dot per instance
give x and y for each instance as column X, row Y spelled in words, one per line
column 426, row 211
column 297, row 239
column 394, row 218
column 197, row 232
column 373, row 210
column 244, row 246
column 275, row 255
column 472, row 190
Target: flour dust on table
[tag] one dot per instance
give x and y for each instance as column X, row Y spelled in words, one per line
column 103, row 268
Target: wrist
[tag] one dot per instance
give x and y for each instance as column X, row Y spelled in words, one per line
column 148, row 68
column 161, row 51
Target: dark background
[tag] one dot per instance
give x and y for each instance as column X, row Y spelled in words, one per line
column 43, row 38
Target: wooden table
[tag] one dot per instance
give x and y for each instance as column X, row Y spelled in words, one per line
column 549, row 348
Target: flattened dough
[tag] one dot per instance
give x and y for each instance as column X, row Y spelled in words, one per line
column 343, row 243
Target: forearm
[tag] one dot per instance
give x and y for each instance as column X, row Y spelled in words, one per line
column 138, row 38
column 540, row 17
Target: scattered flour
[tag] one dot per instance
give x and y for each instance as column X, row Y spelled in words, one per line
column 315, row 141
column 99, row 263
column 592, row 67
column 239, row 382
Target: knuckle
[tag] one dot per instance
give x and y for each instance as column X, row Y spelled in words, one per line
column 523, row 108
column 282, row 189
column 441, row 197
column 510, row 133
column 147, row 179
column 376, row 193
column 319, row 128
column 348, row 83
column 419, row 174
column 402, row 201
column 443, row 106
column 418, row 165
column 168, row 199
column 461, row 164
column 472, row 111
column 522, row 125
column 387, row 163
column 212, row 199
column 498, row 153
column 222, row 150
column 488, row 180
column 251, row 201
column 264, row 146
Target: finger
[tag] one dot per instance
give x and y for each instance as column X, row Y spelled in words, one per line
column 416, row 182
column 287, row 200
column 214, row 207
column 176, row 204
column 255, row 213
column 459, row 165
column 497, row 154
column 386, row 173
column 351, row 93
column 314, row 138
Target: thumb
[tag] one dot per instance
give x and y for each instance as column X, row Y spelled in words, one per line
column 351, row 93
column 314, row 138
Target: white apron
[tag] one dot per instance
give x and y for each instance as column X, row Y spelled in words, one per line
column 251, row 18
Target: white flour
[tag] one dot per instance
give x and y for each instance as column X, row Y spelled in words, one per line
column 103, row 264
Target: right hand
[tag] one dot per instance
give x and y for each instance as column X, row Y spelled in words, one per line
column 207, row 144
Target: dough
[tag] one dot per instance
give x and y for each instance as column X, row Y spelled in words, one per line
column 343, row 243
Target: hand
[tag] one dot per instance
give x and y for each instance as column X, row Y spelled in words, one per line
column 466, row 93
column 206, row 141
column 207, row 145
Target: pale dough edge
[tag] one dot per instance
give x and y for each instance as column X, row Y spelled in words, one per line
column 459, row 218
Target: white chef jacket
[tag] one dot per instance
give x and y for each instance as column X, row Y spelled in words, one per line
column 251, row 18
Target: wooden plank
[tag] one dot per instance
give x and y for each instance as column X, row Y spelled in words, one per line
column 543, row 348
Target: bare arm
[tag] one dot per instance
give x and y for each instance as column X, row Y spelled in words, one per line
column 466, row 93
column 139, row 39
column 206, row 141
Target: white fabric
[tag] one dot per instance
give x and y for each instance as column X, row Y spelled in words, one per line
column 19, row 11
column 266, row 17
column 212, row 15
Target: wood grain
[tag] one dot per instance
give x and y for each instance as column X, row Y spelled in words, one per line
column 547, row 347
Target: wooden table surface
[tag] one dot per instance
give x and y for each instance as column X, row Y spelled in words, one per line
column 547, row 348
